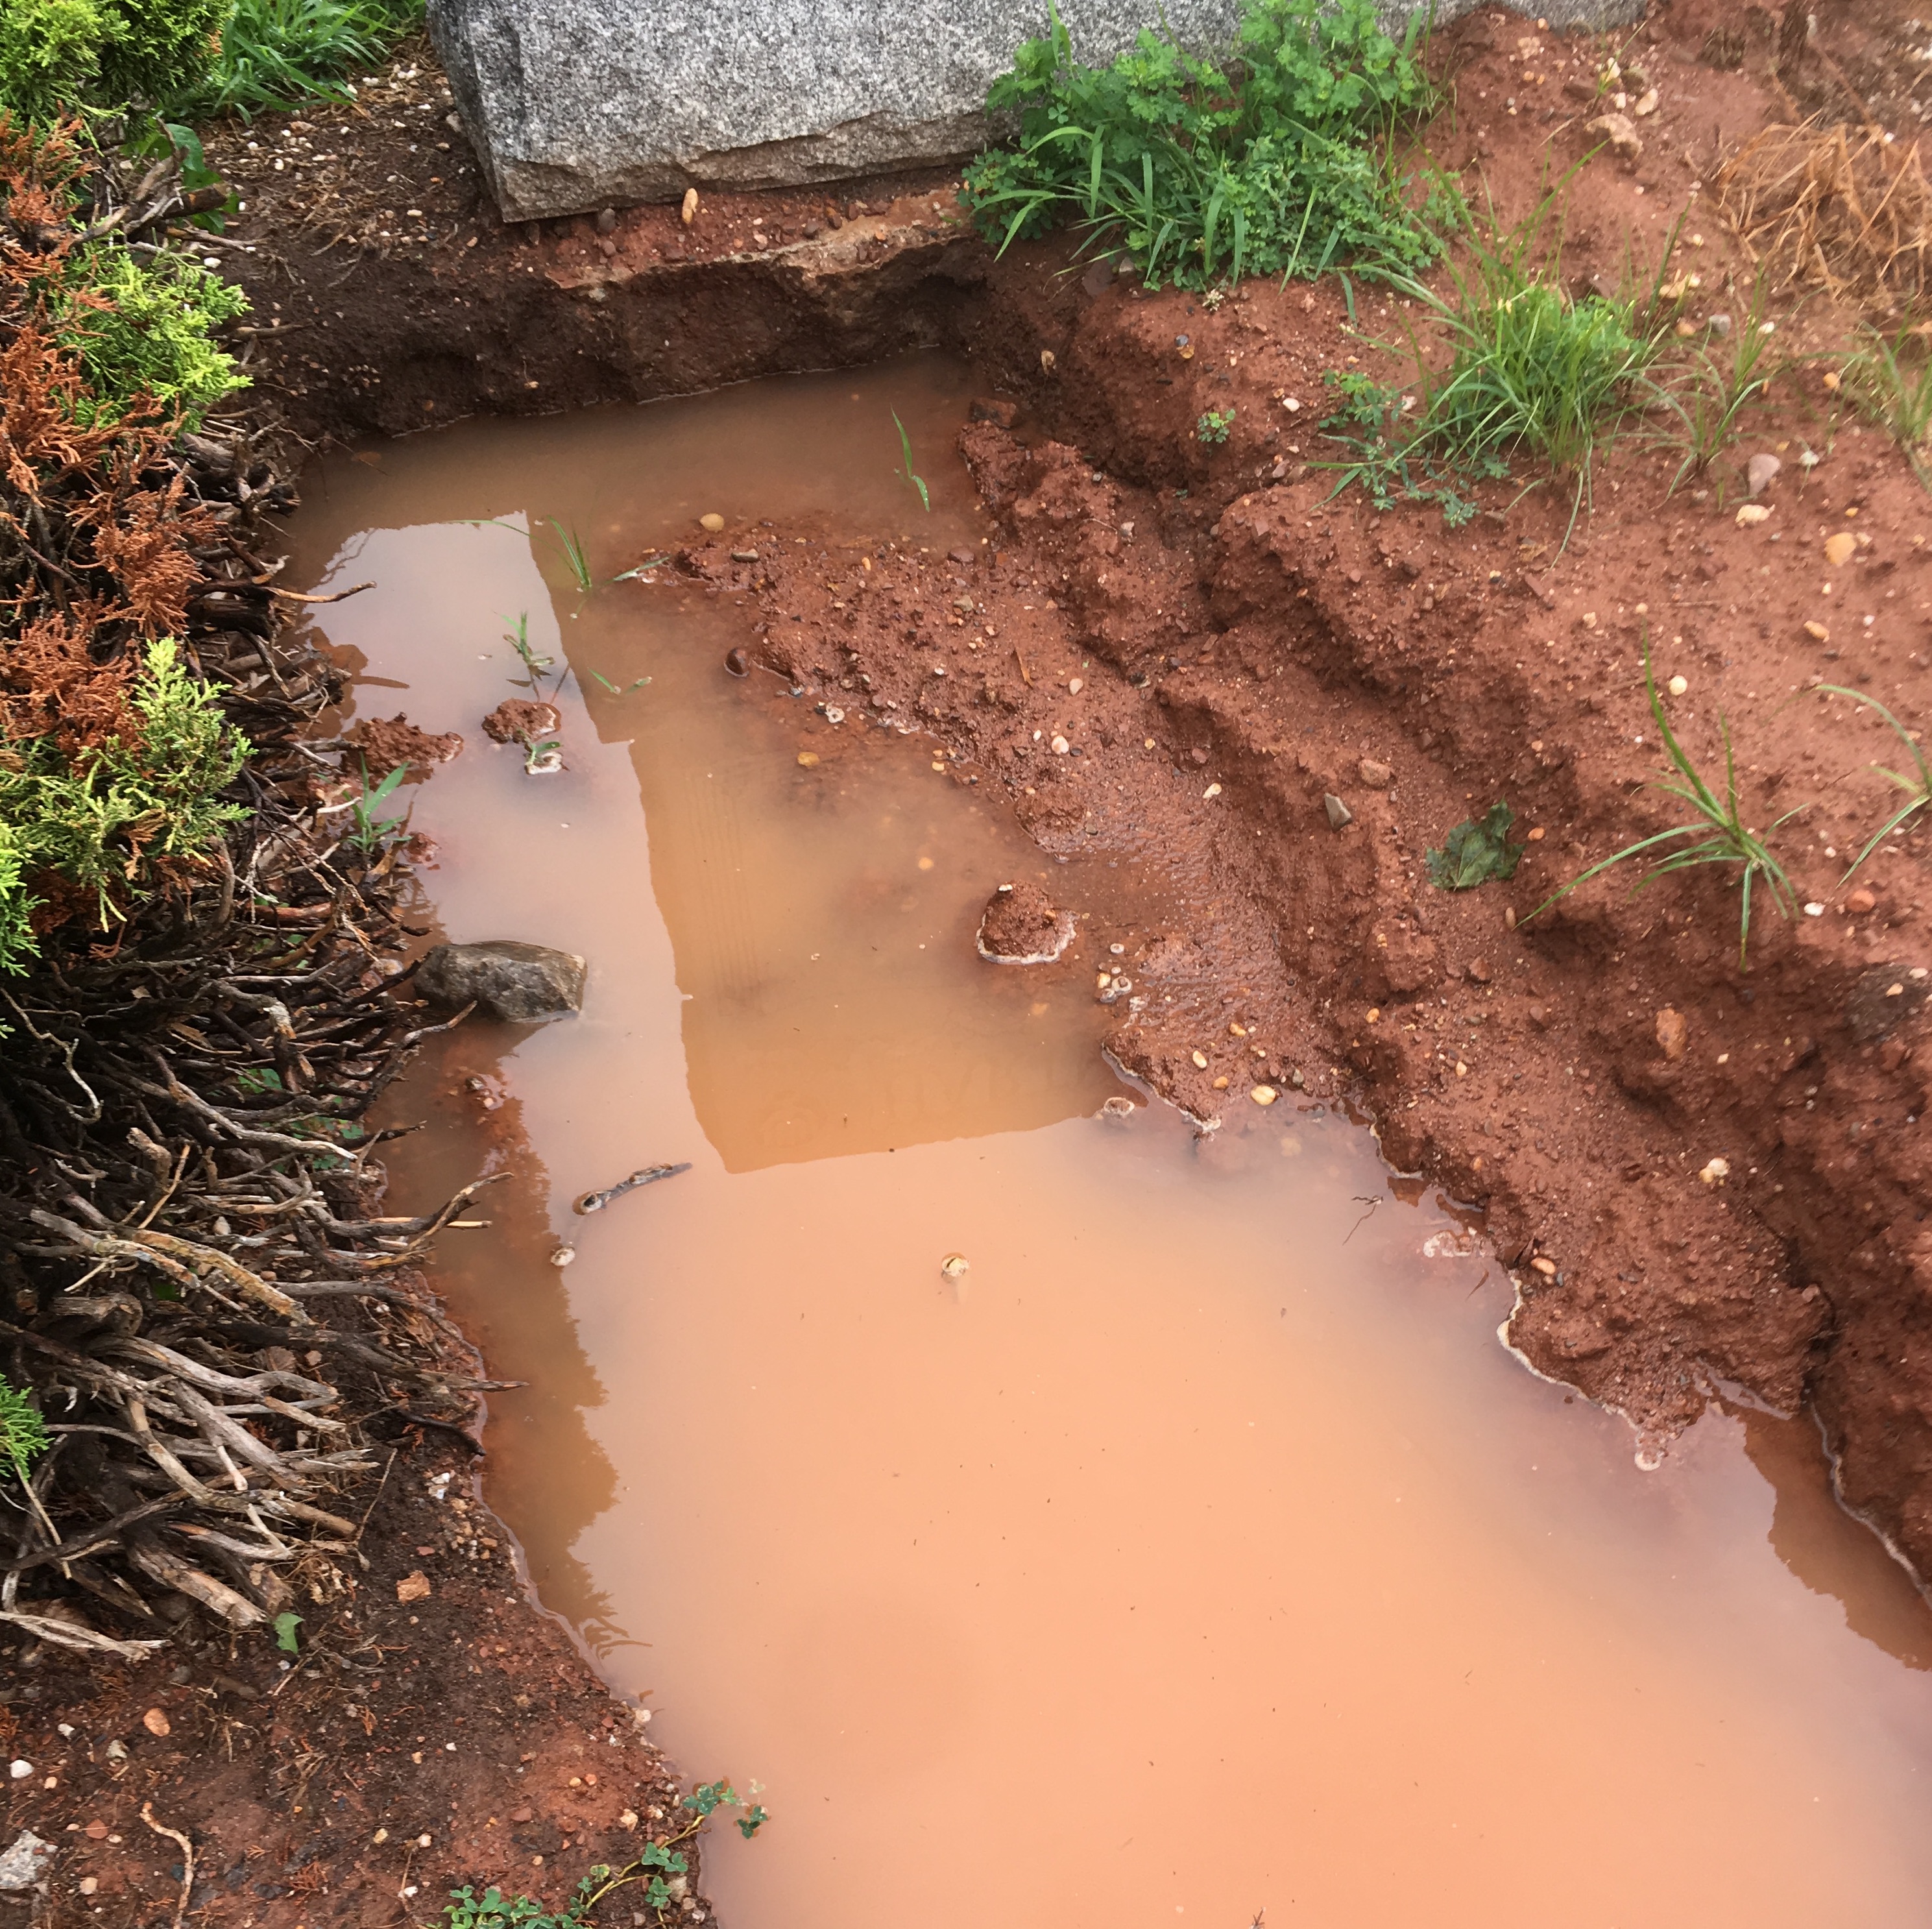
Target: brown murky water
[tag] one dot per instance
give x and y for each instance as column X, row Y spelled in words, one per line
column 1199, row 1551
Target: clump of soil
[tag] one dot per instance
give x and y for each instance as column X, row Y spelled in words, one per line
column 520, row 720
column 394, row 743
column 1022, row 925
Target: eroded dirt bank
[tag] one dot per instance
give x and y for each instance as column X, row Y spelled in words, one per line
column 1247, row 648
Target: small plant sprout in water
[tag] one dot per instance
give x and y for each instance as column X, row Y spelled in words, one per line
column 1917, row 786
column 367, row 827
column 544, row 759
column 905, row 458
column 618, row 689
column 574, row 555
column 1720, row 834
column 536, row 666
column 1213, row 428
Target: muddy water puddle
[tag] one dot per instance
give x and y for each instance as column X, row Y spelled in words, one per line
column 1197, row 1552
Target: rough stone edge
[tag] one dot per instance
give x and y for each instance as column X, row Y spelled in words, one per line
column 527, row 188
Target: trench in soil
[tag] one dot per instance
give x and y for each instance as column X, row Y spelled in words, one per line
column 1199, row 1551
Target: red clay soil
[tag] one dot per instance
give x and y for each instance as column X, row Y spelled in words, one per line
column 1703, row 1179
column 434, row 1729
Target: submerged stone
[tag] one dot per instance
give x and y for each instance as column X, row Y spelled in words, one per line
column 504, row 979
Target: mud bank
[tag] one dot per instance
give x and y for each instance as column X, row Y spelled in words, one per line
column 1247, row 648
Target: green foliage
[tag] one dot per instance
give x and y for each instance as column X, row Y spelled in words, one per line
column 1718, row 825
column 490, row 1910
column 1530, row 371
column 367, row 826
column 285, row 1625
column 1385, row 456
column 1278, row 164
column 1213, row 428
column 23, row 1434
column 1917, row 784
column 576, row 558
column 905, row 457
column 152, row 336
column 75, row 54
column 1474, row 852
column 112, row 819
column 276, row 54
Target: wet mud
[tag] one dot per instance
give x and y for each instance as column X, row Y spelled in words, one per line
column 1203, row 1487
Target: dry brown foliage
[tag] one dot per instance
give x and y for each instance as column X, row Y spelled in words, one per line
column 53, row 687
column 1843, row 210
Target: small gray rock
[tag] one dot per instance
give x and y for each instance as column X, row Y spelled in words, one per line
column 1720, row 325
column 23, row 1864
column 1758, row 472
column 504, row 979
column 1338, row 813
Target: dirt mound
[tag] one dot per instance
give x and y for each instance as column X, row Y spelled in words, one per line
column 1022, row 925
column 518, row 720
column 394, row 743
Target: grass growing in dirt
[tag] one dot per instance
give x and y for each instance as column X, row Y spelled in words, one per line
column 276, row 54
column 23, row 1434
column 1532, row 372
column 1705, row 396
column 1278, row 162
column 1916, row 783
column 1890, row 378
column 1720, row 835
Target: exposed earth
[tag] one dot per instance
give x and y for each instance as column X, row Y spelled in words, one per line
column 1706, row 1180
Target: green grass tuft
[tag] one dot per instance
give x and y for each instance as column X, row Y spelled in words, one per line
column 1280, row 163
column 276, row 54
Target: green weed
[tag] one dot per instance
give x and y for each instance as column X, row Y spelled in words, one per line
column 1279, row 163
column 1917, row 786
column 576, row 558
column 23, row 1434
column 278, row 54
column 1717, row 826
column 1532, row 372
column 1213, row 428
column 905, row 457
column 1890, row 378
column 616, row 690
column 285, row 1626
column 1474, row 852
column 1707, row 396
column 367, row 826
column 536, row 665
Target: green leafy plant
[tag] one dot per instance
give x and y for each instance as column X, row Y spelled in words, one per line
column 119, row 817
column 905, row 457
column 23, row 1434
column 367, row 826
column 1384, row 455
column 1917, row 784
column 1475, row 851
column 1212, row 427
column 651, row 1872
column 285, row 1626
column 278, row 54
column 69, row 54
column 143, row 330
column 1716, row 833
column 1280, row 163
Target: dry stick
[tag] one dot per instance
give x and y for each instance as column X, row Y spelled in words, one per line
column 187, row 1857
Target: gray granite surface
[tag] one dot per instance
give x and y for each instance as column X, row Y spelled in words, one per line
column 592, row 103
